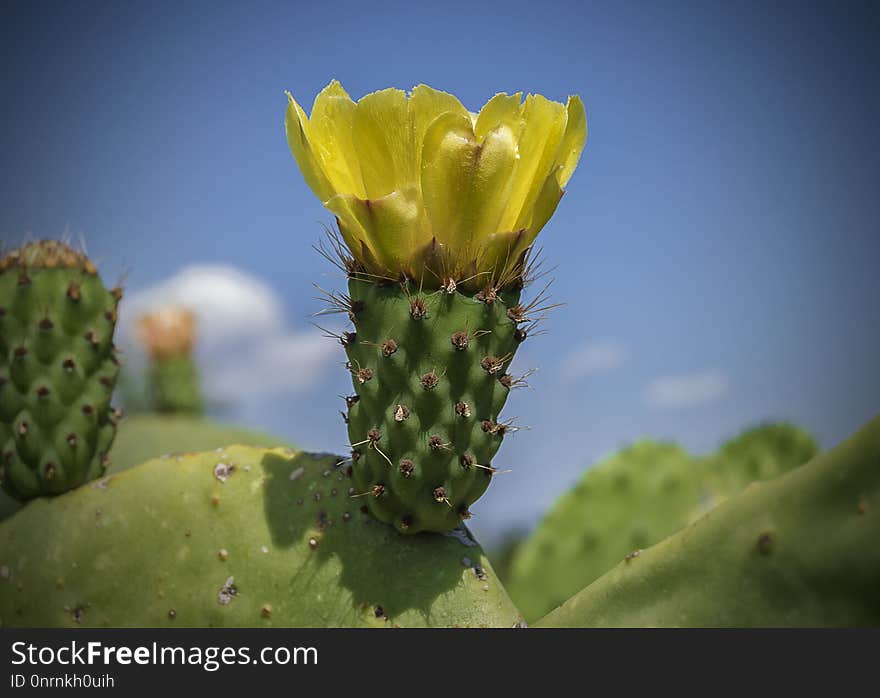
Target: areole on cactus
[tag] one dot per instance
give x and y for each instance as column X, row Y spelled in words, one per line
column 437, row 208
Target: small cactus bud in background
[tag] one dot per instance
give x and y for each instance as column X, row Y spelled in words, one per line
column 169, row 331
column 168, row 335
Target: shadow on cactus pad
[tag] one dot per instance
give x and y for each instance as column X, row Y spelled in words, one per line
column 237, row 537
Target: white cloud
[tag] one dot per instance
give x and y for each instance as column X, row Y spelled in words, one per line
column 593, row 357
column 285, row 363
column 229, row 302
column 686, row 390
column 244, row 347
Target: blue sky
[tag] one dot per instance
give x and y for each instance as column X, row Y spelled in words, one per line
column 718, row 247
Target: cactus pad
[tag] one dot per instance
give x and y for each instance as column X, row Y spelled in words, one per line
column 761, row 453
column 635, row 499
column 628, row 501
column 143, row 437
column 57, row 370
column 800, row 550
column 430, row 376
column 237, row 537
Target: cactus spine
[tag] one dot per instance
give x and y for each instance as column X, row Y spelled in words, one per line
column 57, row 370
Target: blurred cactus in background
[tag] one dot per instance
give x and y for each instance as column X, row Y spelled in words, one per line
column 799, row 550
column 636, row 498
column 168, row 335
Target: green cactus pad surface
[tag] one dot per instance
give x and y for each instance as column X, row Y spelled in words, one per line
column 141, row 437
column 238, row 537
column 174, row 385
column 635, row 499
column 57, row 370
column 628, row 501
column 430, row 375
column 8, row 505
column 800, row 550
column 761, row 453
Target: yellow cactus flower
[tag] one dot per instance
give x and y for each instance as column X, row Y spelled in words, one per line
column 418, row 183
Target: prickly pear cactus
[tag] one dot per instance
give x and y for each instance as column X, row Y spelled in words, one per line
column 57, row 370
column 236, row 537
column 437, row 210
column 800, row 550
column 635, row 499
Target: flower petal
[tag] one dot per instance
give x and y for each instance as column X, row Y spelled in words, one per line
column 425, row 105
column 544, row 124
column 390, row 226
column 296, row 124
column 331, row 130
column 500, row 252
column 506, row 249
column 493, row 178
column 383, row 142
column 501, row 109
column 465, row 182
column 544, row 207
column 573, row 140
